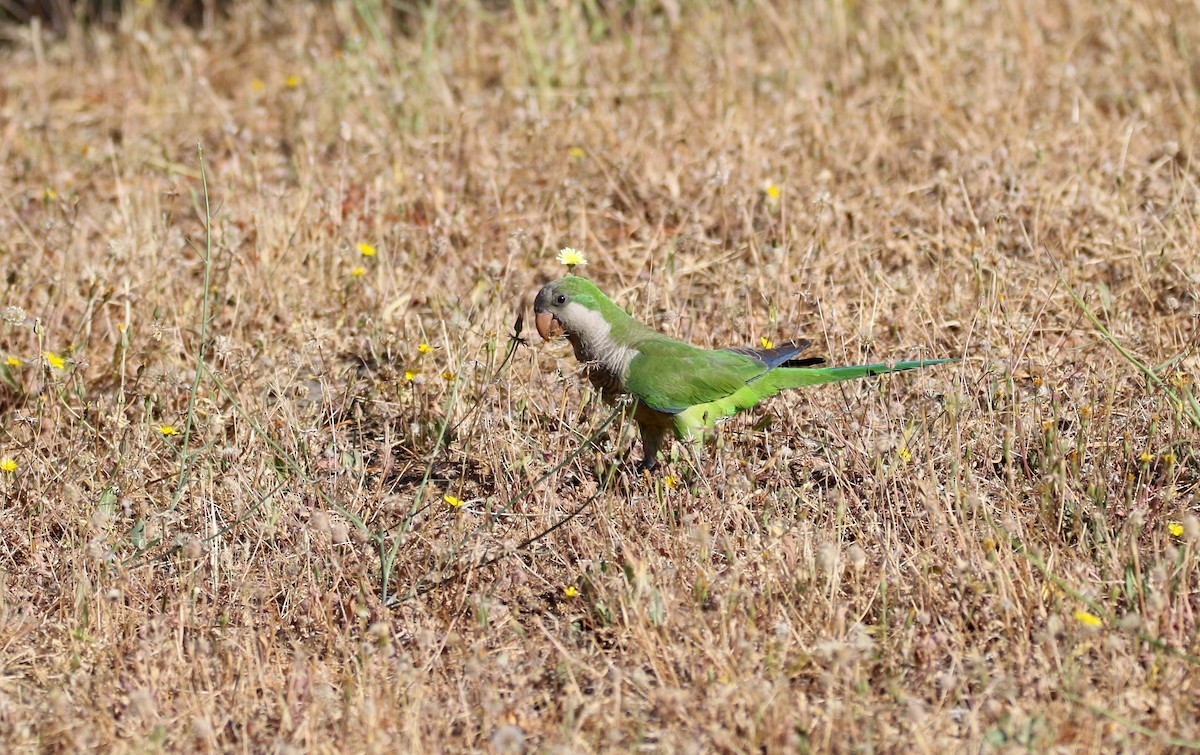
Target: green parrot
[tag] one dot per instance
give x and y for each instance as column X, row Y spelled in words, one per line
column 678, row 387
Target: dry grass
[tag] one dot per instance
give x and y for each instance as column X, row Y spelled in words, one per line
column 913, row 563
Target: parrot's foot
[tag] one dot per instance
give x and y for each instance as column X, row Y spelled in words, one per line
column 647, row 464
column 652, row 441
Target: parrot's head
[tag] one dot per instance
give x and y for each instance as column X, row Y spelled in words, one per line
column 569, row 306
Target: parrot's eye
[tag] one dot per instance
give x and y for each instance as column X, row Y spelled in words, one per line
column 560, row 299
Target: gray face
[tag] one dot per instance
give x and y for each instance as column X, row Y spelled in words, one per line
column 548, row 308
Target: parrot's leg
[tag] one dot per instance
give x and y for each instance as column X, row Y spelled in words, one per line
column 652, row 441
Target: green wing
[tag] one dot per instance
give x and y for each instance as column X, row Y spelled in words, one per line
column 670, row 376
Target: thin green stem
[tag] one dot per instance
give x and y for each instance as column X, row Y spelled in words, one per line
column 184, row 456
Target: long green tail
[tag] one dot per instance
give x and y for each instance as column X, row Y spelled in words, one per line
column 693, row 421
column 799, row 377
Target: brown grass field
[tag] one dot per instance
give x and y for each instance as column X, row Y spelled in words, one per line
column 230, row 466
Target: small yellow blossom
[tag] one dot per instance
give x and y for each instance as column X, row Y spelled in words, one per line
column 8, row 464
column 357, row 272
column 1175, row 528
column 447, row 375
column 904, row 454
column 1146, row 457
column 49, row 194
column 424, row 348
column 1088, row 619
column 455, row 502
column 772, row 191
column 13, row 361
column 571, row 257
column 257, row 85
column 571, row 591
column 167, row 430
column 411, row 375
column 55, row 360
column 122, row 327
column 1037, row 382
column 670, row 481
column 292, row 81
column 576, row 153
column 767, row 343
column 366, row 250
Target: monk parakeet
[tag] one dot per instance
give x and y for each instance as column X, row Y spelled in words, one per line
column 678, row 387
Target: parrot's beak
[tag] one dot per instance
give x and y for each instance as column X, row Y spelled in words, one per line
column 548, row 326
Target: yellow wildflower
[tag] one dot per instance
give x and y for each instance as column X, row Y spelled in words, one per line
column 670, row 481
column 257, row 85
column 767, row 343
column 904, row 454
column 13, row 361
column 772, row 191
column 411, row 375
column 424, row 348
column 1175, row 528
column 571, row 591
column 1088, row 619
column 366, row 250
column 447, row 375
column 1146, row 457
column 292, row 81
column 571, row 257
column 167, row 430
column 455, row 502
column 357, row 272
column 55, row 360
column 576, row 153
column 7, row 464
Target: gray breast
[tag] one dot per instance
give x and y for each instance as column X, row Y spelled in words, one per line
column 606, row 371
